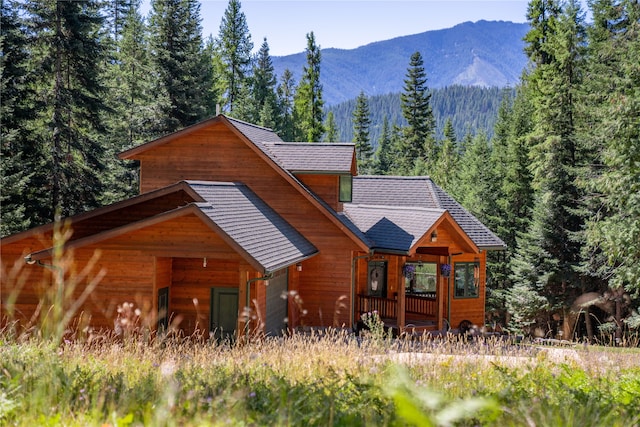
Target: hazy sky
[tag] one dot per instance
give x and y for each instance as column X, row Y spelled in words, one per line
column 349, row 24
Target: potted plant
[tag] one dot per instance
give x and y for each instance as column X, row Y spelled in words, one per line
column 445, row 270
column 409, row 270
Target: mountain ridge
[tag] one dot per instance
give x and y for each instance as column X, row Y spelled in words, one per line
column 482, row 53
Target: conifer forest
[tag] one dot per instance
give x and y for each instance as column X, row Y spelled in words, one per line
column 551, row 165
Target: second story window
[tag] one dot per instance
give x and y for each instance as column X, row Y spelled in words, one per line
column 346, row 185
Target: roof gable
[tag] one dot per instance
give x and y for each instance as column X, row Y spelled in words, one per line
column 255, row 134
column 421, row 192
column 137, row 208
column 263, row 238
column 400, row 229
column 258, row 139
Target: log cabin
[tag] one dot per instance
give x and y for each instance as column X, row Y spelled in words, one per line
column 235, row 230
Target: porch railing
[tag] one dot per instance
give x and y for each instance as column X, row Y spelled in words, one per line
column 386, row 308
column 422, row 305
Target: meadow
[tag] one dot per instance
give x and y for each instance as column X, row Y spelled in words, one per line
column 318, row 378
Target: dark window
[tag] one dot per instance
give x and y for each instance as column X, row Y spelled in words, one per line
column 423, row 280
column 346, row 185
column 467, row 279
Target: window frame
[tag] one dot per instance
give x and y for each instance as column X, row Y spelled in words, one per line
column 345, row 185
column 409, row 283
column 471, row 279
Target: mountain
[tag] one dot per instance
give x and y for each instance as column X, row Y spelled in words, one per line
column 484, row 53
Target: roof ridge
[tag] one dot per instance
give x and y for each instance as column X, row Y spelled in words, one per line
column 396, row 177
column 219, row 183
column 311, row 144
column 247, row 123
column 395, row 207
column 434, row 194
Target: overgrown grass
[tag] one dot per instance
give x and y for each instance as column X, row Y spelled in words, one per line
column 323, row 378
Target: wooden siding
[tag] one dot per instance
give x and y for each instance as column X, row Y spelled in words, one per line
column 471, row 309
column 128, row 278
column 327, row 187
column 190, row 290
column 215, row 153
column 129, row 214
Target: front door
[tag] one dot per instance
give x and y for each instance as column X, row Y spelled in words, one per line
column 224, row 313
column 377, row 286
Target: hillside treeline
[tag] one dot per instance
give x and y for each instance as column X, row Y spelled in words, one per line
column 469, row 108
column 557, row 176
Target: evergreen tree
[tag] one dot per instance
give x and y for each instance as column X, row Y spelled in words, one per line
column 116, row 13
column 308, row 103
column 68, row 54
column 234, row 50
column 16, row 113
column 477, row 182
column 361, row 121
column 138, row 105
column 286, row 92
column 446, row 168
column 552, row 247
column 418, row 141
column 513, row 198
column 613, row 105
column 184, row 71
column 383, row 156
column 264, row 89
column 331, row 134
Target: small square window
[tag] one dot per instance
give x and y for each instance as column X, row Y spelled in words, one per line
column 346, row 186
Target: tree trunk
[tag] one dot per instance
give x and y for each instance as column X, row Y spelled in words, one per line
column 588, row 324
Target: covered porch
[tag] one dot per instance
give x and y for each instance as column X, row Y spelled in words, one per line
column 420, row 311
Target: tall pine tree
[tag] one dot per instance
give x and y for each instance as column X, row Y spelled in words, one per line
column 308, row 103
column 69, row 54
column 184, row 71
column 286, row 91
column 16, row 113
column 418, row 141
column 551, row 250
column 361, row 121
column 234, row 51
column 613, row 104
column 264, row 89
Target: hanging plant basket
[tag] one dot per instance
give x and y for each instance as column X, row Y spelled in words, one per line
column 408, row 271
column 445, row 270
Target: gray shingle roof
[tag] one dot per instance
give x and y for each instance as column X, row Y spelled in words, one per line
column 313, row 157
column 298, row 156
column 421, row 192
column 257, row 134
column 392, row 228
column 263, row 234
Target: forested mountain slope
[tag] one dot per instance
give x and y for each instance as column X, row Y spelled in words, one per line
column 483, row 54
column 471, row 110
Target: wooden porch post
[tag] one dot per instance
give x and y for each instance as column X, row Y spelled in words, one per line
column 440, row 295
column 401, row 301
